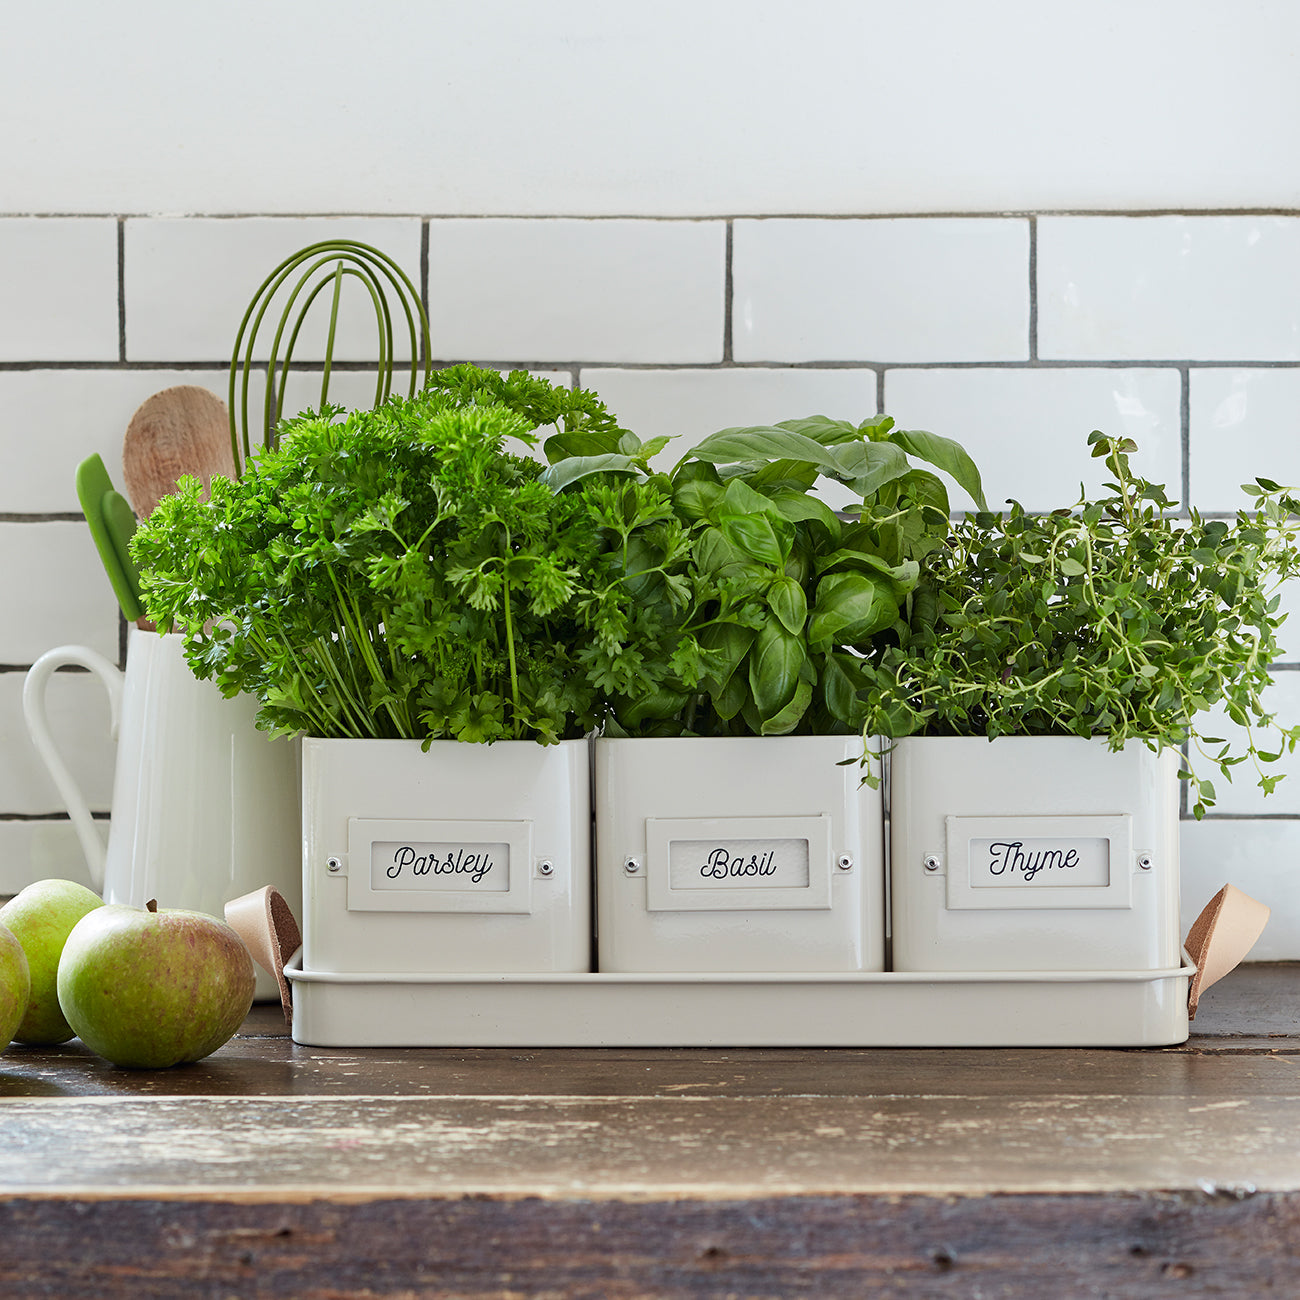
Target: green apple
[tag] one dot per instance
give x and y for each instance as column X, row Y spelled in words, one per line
column 41, row 917
column 15, row 985
column 150, row 988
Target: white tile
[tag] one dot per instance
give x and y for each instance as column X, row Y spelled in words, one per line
column 1188, row 288
column 1288, row 635
column 41, row 850
column 881, row 290
column 688, row 405
column 674, row 107
column 54, row 591
column 1259, row 858
column 189, row 281
column 78, row 713
column 1244, row 424
column 1241, row 795
column 60, row 289
column 1028, row 429
column 51, row 420
column 562, row 290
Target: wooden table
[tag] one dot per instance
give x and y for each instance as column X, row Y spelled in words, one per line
column 275, row 1169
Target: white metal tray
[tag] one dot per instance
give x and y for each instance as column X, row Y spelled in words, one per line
column 896, row 1009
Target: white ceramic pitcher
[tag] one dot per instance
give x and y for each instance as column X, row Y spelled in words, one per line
column 205, row 806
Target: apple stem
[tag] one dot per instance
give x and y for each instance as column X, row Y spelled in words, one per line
column 151, row 905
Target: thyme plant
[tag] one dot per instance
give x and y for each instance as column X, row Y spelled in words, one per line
column 1112, row 618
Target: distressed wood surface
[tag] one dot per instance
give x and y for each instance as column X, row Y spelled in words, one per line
column 1157, row 1247
column 277, row 1169
column 651, row 1146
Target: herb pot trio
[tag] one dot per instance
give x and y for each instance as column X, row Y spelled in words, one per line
column 737, row 855
column 425, row 608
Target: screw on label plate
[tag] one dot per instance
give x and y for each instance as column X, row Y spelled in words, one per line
column 333, row 864
column 1144, row 861
column 931, row 862
column 631, row 866
column 844, row 862
column 546, row 867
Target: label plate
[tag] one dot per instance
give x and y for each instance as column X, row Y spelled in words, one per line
column 1010, row 862
column 1039, row 862
column 738, row 863
column 439, row 866
column 401, row 864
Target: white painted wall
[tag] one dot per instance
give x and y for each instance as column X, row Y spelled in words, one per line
column 680, row 107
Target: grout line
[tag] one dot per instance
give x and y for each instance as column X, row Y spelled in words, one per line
column 728, row 296
column 1033, row 289
column 42, row 517
column 902, row 215
column 880, row 391
column 1245, row 817
column 424, row 282
column 1185, row 436
column 121, row 288
column 97, row 814
column 865, row 363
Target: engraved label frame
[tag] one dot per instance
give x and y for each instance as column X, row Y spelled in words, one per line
column 815, row 895
column 364, row 833
column 963, row 894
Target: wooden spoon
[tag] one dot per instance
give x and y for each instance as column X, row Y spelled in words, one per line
column 182, row 430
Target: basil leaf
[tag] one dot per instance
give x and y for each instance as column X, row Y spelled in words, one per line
column 850, row 606
column 762, row 443
column 944, row 454
column 582, row 442
column 822, row 429
column 787, row 601
column 755, row 537
column 565, row 472
column 787, row 719
column 840, row 674
column 774, row 666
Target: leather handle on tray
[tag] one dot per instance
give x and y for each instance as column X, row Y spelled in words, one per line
column 266, row 924
column 1218, row 941
column 1221, row 937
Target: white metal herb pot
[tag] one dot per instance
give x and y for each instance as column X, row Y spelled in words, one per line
column 1033, row 853
column 738, row 854
column 464, row 858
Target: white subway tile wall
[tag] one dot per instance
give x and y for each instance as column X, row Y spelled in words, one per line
column 189, row 281
column 1016, row 334
column 1243, row 424
column 1028, row 428
column 571, row 291
column 885, row 290
column 1178, row 288
column 60, row 289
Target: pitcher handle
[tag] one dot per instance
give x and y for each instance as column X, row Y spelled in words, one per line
column 34, row 710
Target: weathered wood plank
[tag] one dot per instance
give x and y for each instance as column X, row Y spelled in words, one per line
column 1013, row 1247
column 273, row 1066
column 1042, row 1141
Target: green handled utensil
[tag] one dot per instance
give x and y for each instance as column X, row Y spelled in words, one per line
column 112, row 522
